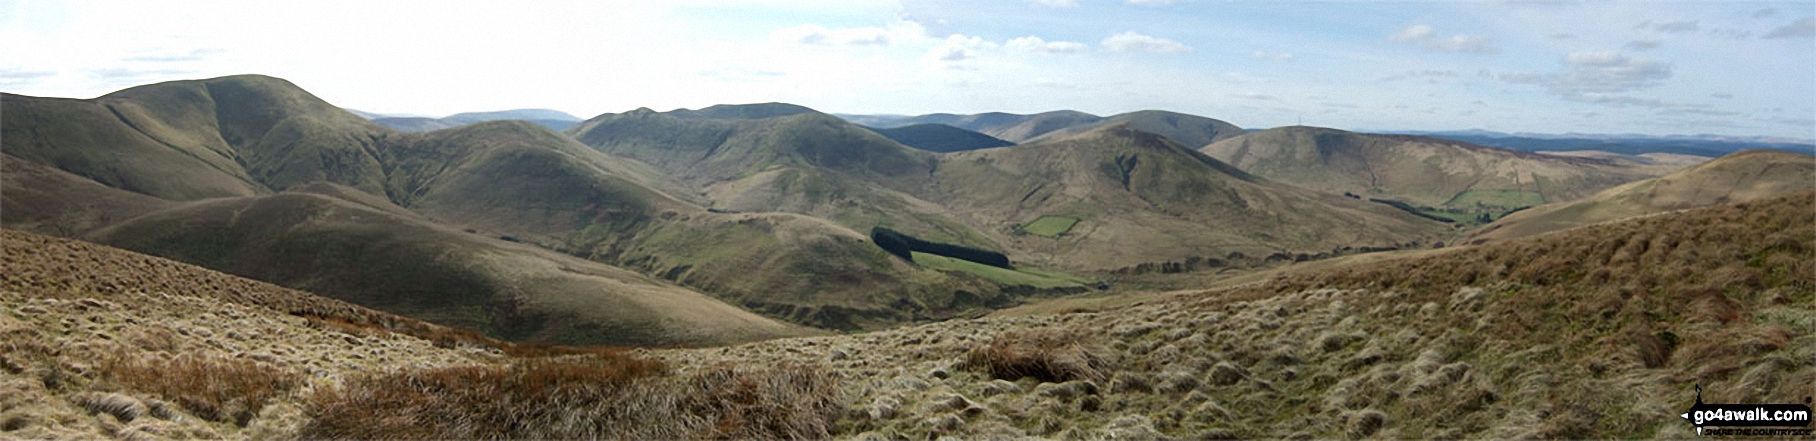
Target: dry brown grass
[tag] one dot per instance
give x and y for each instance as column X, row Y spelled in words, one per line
column 1049, row 354
column 216, row 389
column 601, row 395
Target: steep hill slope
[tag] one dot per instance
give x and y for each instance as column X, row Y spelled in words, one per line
column 394, row 261
column 1138, row 197
column 229, row 136
column 1423, row 171
column 940, row 138
column 1739, row 177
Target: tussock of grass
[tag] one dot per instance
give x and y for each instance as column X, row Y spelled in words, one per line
column 1049, row 354
column 603, row 395
column 216, row 389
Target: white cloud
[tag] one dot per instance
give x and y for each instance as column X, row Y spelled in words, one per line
column 1427, row 37
column 1475, row 44
column 1056, row 3
column 1430, row 75
column 813, row 34
column 1671, row 27
column 1133, row 42
column 1596, row 77
column 1413, row 33
column 1256, row 96
column 1036, row 44
column 957, row 48
column 1643, row 45
column 1802, row 28
column 1276, row 56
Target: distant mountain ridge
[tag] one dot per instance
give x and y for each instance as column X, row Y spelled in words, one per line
column 1626, row 143
column 941, row 138
column 1183, row 128
column 553, row 119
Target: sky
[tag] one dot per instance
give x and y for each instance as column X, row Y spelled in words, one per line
column 1546, row 66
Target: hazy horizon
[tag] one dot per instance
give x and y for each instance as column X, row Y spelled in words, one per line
column 1731, row 68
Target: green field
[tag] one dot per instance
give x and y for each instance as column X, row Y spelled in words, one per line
column 1032, row 278
column 1050, row 226
column 1505, row 199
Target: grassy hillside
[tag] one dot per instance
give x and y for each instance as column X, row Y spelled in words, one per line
column 401, row 264
column 940, row 138
column 1421, row 171
column 1739, row 177
column 1139, row 197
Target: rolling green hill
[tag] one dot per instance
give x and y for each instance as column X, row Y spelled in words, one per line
column 940, row 138
column 1139, row 197
column 1190, row 130
column 42, row 199
column 1739, row 177
column 1421, row 171
column 403, row 264
column 229, row 136
column 776, row 157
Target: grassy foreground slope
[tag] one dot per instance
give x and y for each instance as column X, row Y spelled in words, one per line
column 97, row 342
column 1423, row 171
column 1738, row 177
column 1599, row 332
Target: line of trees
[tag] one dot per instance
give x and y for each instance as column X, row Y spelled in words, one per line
column 903, row 246
column 1411, row 209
